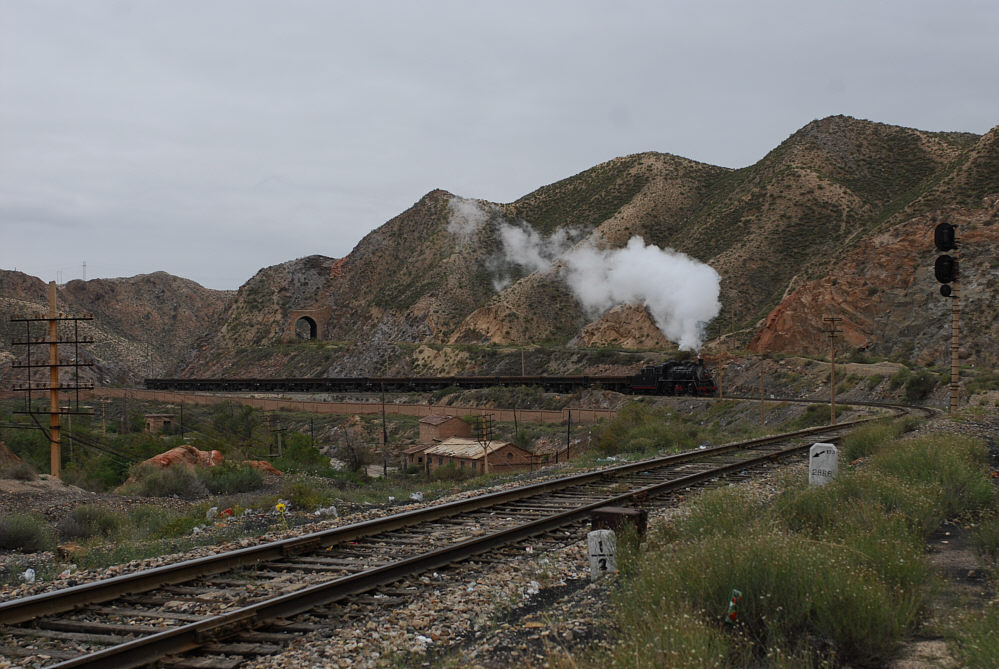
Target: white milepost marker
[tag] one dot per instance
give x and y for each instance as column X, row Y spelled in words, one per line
column 823, row 463
column 602, row 546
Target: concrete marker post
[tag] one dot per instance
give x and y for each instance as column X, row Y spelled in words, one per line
column 602, row 548
column 823, row 463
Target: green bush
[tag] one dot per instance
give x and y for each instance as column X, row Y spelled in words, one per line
column 31, row 446
column 986, row 538
column 815, row 414
column 450, row 472
column 20, row 471
column 919, row 386
column 153, row 481
column 721, row 511
column 304, row 496
column 792, row 588
column 977, row 643
column 640, row 428
column 151, row 521
column 832, row 575
column 300, row 456
column 228, row 478
column 178, row 526
column 866, row 439
column 898, row 379
column 983, row 382
column 954, row 462
column 26, row 532
column 88, row 521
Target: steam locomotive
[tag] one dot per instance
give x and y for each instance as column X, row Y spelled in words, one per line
column 674, row 377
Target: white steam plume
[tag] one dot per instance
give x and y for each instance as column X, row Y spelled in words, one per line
column 522, row 245
column 681, row 293
column 467, row 216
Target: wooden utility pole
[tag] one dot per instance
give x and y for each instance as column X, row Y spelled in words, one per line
column 55, row 431
column 104, row 414
column 763, row 415
column 52, row 318
column 568, row 434
column 484, row 435
column 832, row 331
column 384, row 437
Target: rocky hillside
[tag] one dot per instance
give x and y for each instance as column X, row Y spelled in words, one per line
column 836, row 221
column 889, row 302
column 147, row 325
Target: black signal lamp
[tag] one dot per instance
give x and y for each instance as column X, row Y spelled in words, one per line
column 945, row 269
column 943, row 237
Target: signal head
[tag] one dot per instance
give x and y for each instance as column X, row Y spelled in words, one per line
column 943, row 237
column 945, row 269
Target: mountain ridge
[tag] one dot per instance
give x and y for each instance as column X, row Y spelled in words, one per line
column 795, row 234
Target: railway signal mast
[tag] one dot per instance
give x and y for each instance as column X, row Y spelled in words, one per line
column 946, row 271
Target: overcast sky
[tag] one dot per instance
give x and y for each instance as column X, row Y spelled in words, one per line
column 211, row 138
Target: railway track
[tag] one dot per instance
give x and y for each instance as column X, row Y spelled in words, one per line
column 220, row 610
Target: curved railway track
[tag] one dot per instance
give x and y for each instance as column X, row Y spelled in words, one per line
column 221, row 609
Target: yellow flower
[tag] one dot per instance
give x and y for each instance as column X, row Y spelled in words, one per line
column 280, row 507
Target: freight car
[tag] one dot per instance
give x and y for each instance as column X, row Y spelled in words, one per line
column 670, row 378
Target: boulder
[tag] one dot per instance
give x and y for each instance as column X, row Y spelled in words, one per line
column 185, row 455
column 263, row 466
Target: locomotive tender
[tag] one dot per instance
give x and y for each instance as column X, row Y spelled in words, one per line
column 673, row 377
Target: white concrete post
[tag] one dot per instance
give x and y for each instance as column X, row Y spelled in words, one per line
column 602, row 545
column 823, row 463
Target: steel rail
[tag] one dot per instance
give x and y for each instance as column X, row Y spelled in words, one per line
column 66, row 599
column 188, row 637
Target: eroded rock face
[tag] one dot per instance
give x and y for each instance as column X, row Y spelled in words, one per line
column 887, row 301
column 626, row 326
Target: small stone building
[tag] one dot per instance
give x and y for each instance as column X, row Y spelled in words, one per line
column 468, row 454
column 435, row 428
column 414, row 456
column 159, row 422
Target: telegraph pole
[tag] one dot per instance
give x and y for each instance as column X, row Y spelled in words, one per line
column 763, row 415
column 384, row 437
column 55, row 433
column 484, row 435
column 52, row 320
column 568, row 435
column 832, row 331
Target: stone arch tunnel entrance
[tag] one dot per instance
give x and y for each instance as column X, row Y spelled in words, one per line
column 306, row 328
column 306, row 324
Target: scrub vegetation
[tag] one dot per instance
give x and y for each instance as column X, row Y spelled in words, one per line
column 829, row 576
